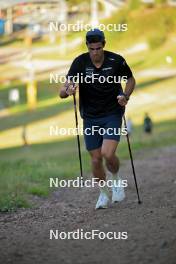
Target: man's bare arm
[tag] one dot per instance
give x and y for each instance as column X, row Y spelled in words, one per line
column 130, row 85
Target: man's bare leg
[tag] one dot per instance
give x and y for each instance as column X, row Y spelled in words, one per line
column 97, row 164
column 112, row 163
column 108, row 152
column 99, row 172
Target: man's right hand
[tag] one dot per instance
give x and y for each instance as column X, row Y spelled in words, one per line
column 70, row 88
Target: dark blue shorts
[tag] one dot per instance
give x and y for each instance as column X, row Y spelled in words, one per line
column 98, row 129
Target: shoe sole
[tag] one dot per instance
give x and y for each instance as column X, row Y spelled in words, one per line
column 118, row 201
column 101, row 207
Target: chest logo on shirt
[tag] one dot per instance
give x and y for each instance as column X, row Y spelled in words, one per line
column 89, row 71
column 107, row 68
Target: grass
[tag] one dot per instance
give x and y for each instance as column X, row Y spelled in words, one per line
column 45, row 91
column 29, row 168
column 152, row 96
column 52, row 111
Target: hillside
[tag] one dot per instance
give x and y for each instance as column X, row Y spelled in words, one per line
column 154, row 94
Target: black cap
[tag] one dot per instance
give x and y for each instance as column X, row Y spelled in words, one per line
column 95, row 35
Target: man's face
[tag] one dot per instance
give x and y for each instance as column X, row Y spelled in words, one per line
column 96, row 51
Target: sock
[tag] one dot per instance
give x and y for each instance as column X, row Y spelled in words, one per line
column 104, row 189
column 114, row 176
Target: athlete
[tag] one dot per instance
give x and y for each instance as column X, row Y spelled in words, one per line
column 102, row 102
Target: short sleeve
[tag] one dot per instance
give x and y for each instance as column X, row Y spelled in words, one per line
column 124, row 69
column 74, row 69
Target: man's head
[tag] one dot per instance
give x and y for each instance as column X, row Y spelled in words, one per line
column 95, row 41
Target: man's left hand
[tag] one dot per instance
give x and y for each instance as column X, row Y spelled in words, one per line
column 122, row 100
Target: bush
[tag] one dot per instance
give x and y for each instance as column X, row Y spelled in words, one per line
column 11, row 202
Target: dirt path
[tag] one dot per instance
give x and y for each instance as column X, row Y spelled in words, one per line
column 151, row 227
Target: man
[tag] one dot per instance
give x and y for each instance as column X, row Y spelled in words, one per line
column 101, row 105
column 148, row 125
